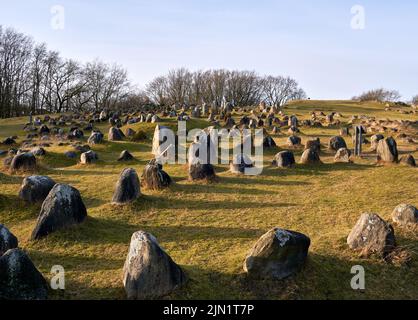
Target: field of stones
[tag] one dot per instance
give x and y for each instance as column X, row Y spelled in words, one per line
column 208, row 227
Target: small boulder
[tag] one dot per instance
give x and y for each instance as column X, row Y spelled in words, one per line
column 96, row 137
column 38, row 151
column 23, row 161
column 405, row 214
column 63, row 207
column 149, row 272
column 125, row 155
column 88, row 157
column 200, row 171
column 284, row 159
column 278, row 254
column 115, row 134
column 36, row 188
column 7, row 240
column 372, row 235
column 310, row 156
column 336, row 143
column 342, row 155
column 127, row 188
column 19, row 278
column 293, row 141
column 154, row 177
column 240, row 163
column 408, row 160
column 374, row 140
column 314, row 144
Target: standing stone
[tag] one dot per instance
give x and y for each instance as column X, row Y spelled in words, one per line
column 88, row 157
column 342, row 155
column 149, row 272
column 284, row 159
column 23, row 161
column 405, row 214
column 63, row 207
column 337, row 143
column 127, row 188
column 314, row 144
column 277, row 255
column 154, row 177
column 294, row 141
column 387, row 150
column 115, row 134
column 95, row 138
column 36, row 188
column 310, row 156
column 372, row 235
column 19, row 278
column 7, row 240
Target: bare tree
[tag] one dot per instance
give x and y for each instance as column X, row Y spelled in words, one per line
column 379, row 95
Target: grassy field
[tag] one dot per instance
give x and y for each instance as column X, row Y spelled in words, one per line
column 208, row 229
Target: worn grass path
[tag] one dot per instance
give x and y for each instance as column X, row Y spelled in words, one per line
column 208, row 229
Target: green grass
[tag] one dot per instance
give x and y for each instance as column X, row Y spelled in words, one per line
column 208, row 229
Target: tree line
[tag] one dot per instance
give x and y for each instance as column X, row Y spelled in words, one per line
column 243, row 88
column 34, row 79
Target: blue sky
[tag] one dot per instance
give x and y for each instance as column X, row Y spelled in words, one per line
column 311, row 41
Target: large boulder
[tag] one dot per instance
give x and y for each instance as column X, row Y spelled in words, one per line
column 88, row 157
column 127, row 188
column 278, row 254
column 63, row 207
column 154, row 177
column 19, row 278
column 284, row 159
column 342, row 155
column 38, row 151
column 36, row 188
column 115, row 134
column 7, row 240
column 23, row 161
column 372, row 235
column 149, row 272
column 336, row 143
column 310, row 156
column 387, row 150
column 405, row 214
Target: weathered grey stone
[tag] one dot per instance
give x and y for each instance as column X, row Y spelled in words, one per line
column 284, row 159
column 372, row 235
column 23, row 161
column 19, row 278
column 342, row 155
column 88, row 157
column 240, row 163
column 278, row 254
column 149, row 272
column 38, row 151
column 115, row 134
column 336, row 143
column 405, row 214
column 127, row 188
column 294, row 141
column 374, row 140
column 125, row 155
column 154, row 177
column 310, row 156
column 63, row 207
column 95, row 138
column 7, row 240
column 36, row 188
column 387, row 150
column 408, row 160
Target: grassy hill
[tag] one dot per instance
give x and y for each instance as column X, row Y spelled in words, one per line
column 208, row 229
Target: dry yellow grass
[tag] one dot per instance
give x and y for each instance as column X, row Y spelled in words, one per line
column 208, row 229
